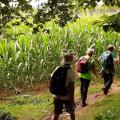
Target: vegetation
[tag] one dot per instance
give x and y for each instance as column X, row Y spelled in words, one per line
column 37, row 107
column 107, row 109
column 68, row 10
column 28, row 106
column 60, row 10
column 33, row 41
column 29, row 58
column 109, row 22
column 33, row 107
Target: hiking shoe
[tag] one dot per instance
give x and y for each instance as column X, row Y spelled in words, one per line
column 104, row 91
column 84, row 104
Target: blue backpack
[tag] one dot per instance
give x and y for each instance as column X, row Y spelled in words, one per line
column 107, row 61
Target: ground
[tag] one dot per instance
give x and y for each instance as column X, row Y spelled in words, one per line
column 93, row 97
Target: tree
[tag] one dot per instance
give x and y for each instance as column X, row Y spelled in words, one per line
column 8, row 11
column 61, row 11
column 58, row 9
column 93, row 3
column 66, row 10
column 109, row 22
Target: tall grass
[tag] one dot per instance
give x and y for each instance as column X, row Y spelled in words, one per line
column 28, row 58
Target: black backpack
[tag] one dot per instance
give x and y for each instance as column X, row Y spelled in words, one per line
column 58, row 80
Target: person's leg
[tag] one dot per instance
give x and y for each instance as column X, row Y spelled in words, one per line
column 72, row 116
column 109, row 82
column 81, row 87
column 70, row 108
column 105, row 77
column 56, row 117
column 58, row 106
column 85, row 90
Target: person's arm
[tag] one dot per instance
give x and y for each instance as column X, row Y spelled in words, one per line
column 71, row 77
column 94, row 70
column 71, row 91
column 99, row 59
column 116, row 59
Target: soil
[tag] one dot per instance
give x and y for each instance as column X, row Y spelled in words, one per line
column 38, row 89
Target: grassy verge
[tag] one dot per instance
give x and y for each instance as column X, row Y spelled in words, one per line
column 28, row 107
column 107, row 109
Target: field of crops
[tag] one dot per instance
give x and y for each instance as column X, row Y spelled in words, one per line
column 28, row 58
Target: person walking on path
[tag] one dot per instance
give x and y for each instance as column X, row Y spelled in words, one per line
column 87, row 66
column 66, row 82
column 108, row 58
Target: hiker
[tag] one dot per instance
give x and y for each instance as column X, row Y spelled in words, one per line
column 108, row 58
column 63, row 87
column 87, row 66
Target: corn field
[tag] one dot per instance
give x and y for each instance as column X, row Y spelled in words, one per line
column 28, row 58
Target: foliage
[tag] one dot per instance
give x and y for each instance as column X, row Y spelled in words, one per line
column 109, row 115
column 6, row 115
column 60, row 10
column 9, row 12
column 107, row 109
column 67, row 10
column 28, row 58
column 93, row 3
column 28, row 106
column 109, row 22
column 111, row 110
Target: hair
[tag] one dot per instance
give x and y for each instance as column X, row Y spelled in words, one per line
column 90, row 52
column 68, row 57
column 110, row 47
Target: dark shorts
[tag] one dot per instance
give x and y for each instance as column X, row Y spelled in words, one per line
column 59, row 104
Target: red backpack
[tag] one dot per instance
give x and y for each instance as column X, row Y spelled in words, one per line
column 82, row 65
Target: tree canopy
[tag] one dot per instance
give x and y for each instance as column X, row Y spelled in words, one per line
column 60, row 10
column 8, row 11
column 66, row 10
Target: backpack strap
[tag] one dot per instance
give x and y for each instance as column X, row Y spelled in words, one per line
column 66, row 65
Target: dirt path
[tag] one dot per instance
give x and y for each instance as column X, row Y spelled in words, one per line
column 92, row 99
